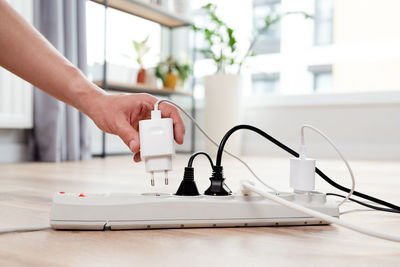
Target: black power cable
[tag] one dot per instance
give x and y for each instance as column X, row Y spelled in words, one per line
column 188, row 186
column 365, row 204
column 217, row 187
column 294, row 153
column 192, row 157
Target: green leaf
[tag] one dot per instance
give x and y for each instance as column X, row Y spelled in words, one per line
column 136, row 46
column 214, row 18
column 208, row 35
column 143, row 43
column 195, row 28
column 267, row 21
column 159, row 73
column 208, row 53
column 231, row 39
column 207, row 6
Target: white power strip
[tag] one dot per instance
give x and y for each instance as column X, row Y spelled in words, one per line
column 133, row 211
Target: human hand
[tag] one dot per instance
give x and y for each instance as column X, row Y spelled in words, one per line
column 120, row 115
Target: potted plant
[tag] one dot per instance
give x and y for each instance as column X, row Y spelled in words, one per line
column 228, row 82
column 141, row 49
column 171, row 71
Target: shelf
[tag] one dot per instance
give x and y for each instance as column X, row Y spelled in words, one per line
column 141, row 88
column 148, row 11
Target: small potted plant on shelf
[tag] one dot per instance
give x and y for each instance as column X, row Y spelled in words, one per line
column 229, row 81
column 170, row 71
column 141, row 49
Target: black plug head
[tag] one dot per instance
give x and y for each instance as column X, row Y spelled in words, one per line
column 218, row 187
column 188, row 186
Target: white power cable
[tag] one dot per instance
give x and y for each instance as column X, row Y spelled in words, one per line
column 318, row 214
column 353, row 181
column 24, row 229
column 213, row 142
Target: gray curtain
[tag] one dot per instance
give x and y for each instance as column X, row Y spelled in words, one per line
column 60, row 131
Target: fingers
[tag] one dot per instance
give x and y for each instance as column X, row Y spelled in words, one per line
column 145, row 112
column 134, row 145
column 136, row 157
column 128, row 134
column 141, row 112
column 170, row 111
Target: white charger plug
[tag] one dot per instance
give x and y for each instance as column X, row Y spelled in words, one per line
column 157, row 144
column 302, row 172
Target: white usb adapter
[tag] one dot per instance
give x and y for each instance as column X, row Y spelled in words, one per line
column 302, row 172
column 157, row 144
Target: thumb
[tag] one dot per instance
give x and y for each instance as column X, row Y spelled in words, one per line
column 129, row 135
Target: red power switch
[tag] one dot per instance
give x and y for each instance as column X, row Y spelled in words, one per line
column 62, row 192
column 82, row 195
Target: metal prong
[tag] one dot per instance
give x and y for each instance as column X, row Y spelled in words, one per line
column 152, row 179
column 166, row 177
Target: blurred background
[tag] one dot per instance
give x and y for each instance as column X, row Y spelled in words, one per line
column 273, row 64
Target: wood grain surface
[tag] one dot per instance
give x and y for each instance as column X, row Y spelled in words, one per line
column 25, row 199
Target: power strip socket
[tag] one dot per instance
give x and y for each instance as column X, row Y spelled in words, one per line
column 116, row 211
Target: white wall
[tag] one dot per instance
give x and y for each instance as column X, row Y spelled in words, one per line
column 370, row 131
column 365, row 126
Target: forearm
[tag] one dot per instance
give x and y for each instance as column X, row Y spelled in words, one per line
column 27, row 54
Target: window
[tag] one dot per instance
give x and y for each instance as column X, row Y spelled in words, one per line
column 322, row 78
column 365, row 55
column 265, row 83
column 323, row 20
column 270, row 41
column 122, row 29
column 323, row 82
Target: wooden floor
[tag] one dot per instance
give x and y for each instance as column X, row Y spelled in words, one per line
column 25, row 199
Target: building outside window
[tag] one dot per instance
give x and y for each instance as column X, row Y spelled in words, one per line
column 269, row 41
column 362, row 51
column 323, row 21
column 322, row 78
column 265, row 83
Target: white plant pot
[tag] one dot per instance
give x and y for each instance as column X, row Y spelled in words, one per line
column 224, row 108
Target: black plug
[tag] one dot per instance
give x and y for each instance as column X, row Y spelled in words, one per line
column 218, row 187
column 188, row 185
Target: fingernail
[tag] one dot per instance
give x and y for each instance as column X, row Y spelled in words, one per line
column 131, row 144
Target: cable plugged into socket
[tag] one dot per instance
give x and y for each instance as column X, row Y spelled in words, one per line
column 218, row 186
column 188, row 185
column 157, row 144
column 302, row 172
